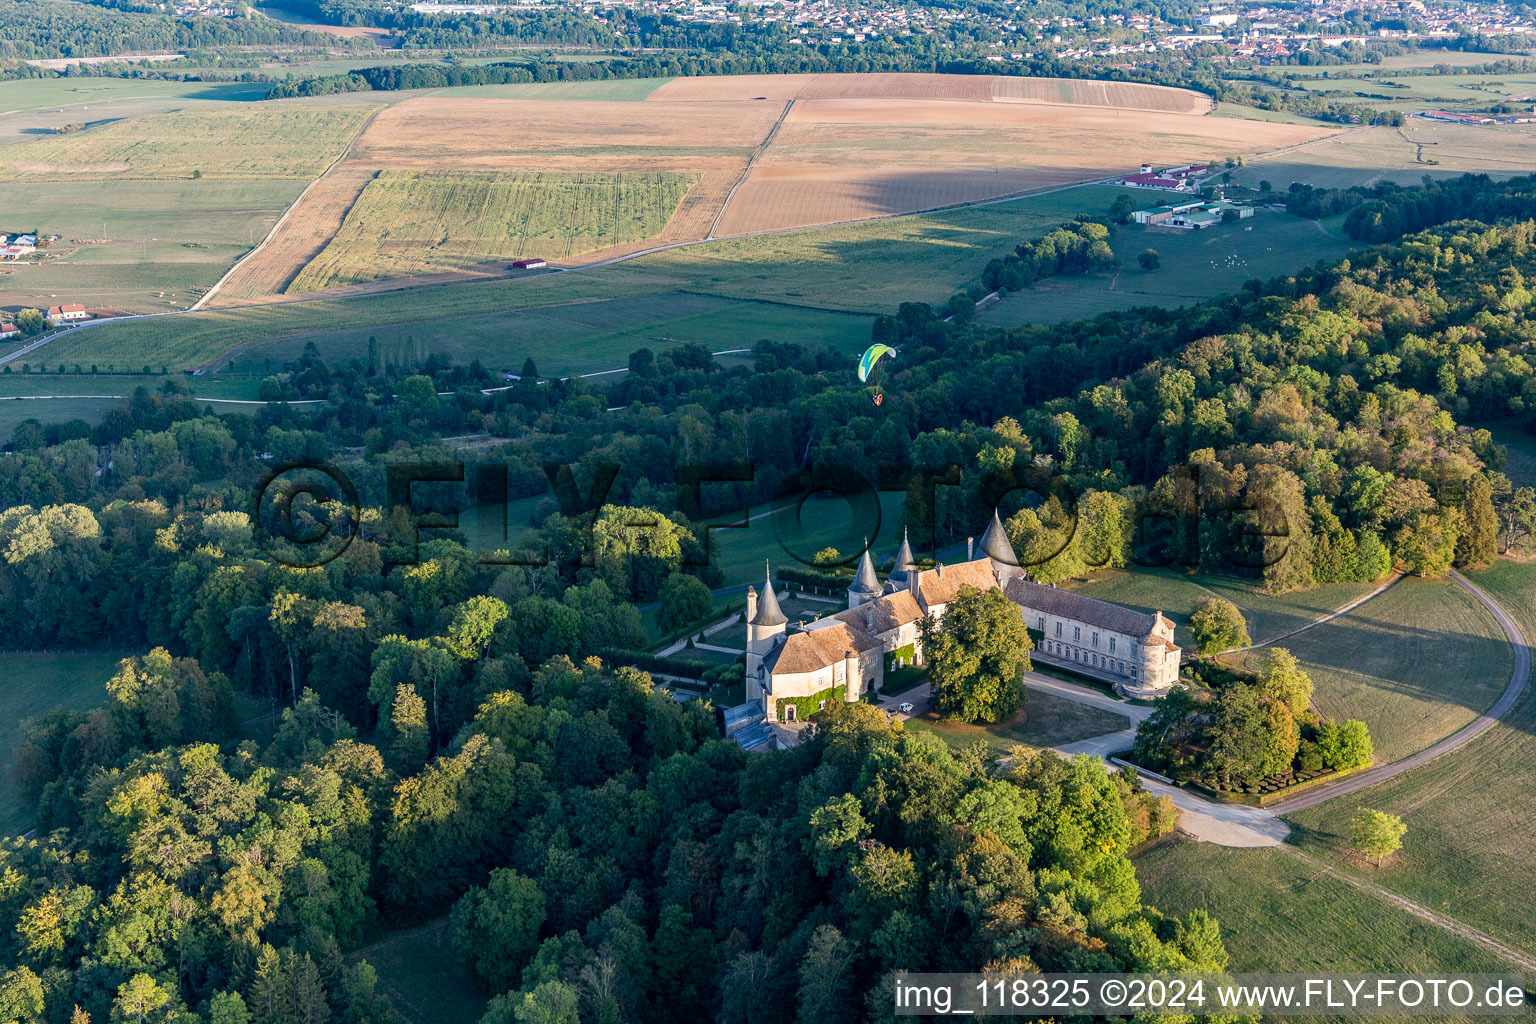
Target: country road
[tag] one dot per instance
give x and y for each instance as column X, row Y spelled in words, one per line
column 404, row 284
column 1517, row 680
column 1232, row 824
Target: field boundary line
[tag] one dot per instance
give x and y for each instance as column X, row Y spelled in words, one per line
column 345, row 152
column 1443, row 921
column 405, row 284
column 1460, row 738
column 747, row 170
column 1338, row 612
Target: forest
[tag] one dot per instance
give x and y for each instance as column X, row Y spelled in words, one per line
column 71, row 29
column 451, row 739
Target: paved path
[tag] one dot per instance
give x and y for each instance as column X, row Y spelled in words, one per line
column 1239, row 824
column 1517, row 680
column 1226, row 824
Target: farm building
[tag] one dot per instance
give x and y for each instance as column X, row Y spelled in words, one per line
column 72, row 311
column 1192, row 216
column 531, row 263
column 1153, row 179
column 9, row 331
column 1160, row 214
column 16, row 252
column 1446, row 115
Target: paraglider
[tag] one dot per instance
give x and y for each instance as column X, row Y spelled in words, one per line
column 869, row 367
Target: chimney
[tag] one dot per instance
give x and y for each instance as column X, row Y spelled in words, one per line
column 751, row 603
column 939, row 568
column 969, row 543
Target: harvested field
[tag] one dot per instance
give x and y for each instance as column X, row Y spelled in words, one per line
column 836, row 160
column 428, row 222
column 1129, row 95
column 557, row 135
column 971, row 88
column 1402, row 155
column 850, row 147
column 309, row 227
column 249, row 141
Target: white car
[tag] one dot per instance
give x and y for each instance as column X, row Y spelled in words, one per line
column 904, row 708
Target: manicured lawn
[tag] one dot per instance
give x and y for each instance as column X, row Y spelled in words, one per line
column 1196, row 265
column 33, row 683
column 793, row 538
column 423, row 977
column 1047, row 721
column 1467, row 850
column 1415, row 664
column 1520, row 444
column 1280, row 914
column 1176, row 593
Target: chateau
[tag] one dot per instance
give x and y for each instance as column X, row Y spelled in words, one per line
column 844, row 656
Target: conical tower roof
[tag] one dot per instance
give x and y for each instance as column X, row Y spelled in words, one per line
column 866, row 581
column 768, row 613
column 905, row 563
column 994, row 544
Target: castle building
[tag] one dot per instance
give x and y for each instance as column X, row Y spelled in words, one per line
column 790, row 675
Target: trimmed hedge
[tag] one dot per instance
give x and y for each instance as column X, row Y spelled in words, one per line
column 666, row 664
column 815, row 578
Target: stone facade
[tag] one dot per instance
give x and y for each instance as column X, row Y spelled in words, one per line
column 844, row 655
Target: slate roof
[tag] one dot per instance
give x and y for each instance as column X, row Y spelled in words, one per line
column 768, row 613
column 1089, row 610
column 994, row 543
column 816, row 649
column 866, row 581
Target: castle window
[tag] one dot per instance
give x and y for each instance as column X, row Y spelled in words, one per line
column 1040, row 623
column 1111, row 645
column 1077, row 634
column 1058, row 629
column 1095, row 639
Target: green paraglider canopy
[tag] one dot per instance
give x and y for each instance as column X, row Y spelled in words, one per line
column 871, row 356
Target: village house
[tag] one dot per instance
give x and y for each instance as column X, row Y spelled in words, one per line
column 72, row 311
column 790, row 675
column 8, row 331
